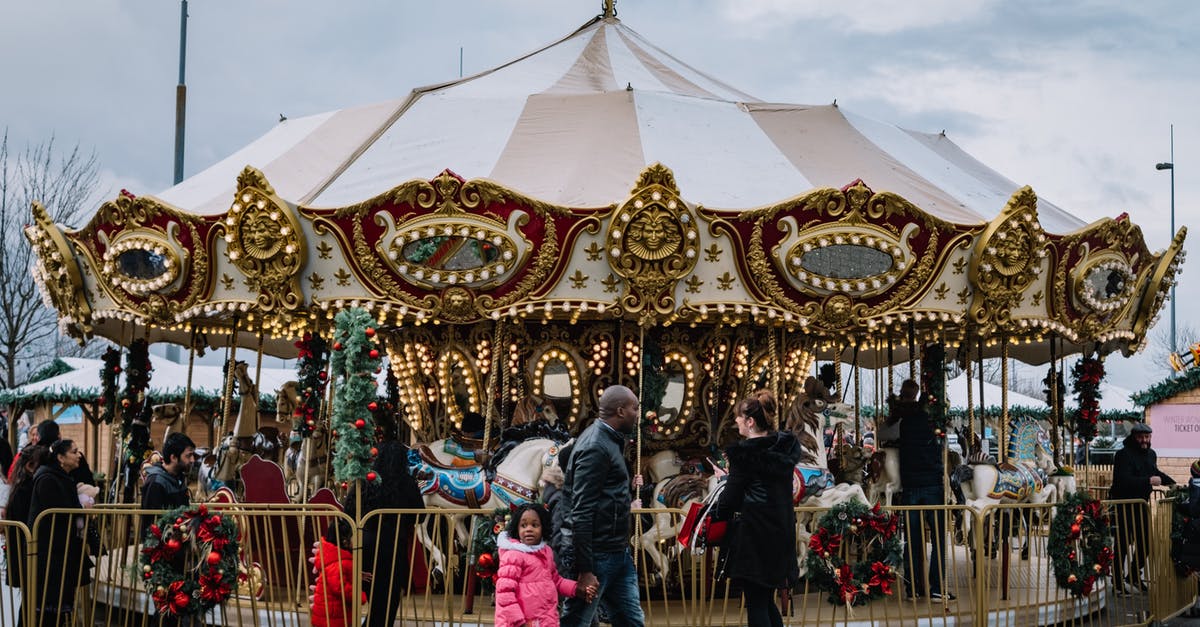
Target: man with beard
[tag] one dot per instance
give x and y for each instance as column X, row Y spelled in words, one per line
column 1135, row 475
column 166, row 482
column 596, row 490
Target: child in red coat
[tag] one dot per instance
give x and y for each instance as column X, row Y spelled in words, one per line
column 527, row 583
column 334, row 590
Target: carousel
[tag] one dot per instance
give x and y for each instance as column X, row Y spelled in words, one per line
column 599, row 213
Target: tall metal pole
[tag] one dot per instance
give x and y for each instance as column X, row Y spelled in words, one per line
column 180, row 110
column 1170, row 165
column 181, row 92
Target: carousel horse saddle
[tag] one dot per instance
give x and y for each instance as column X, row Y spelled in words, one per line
column 465, row 486
column 459, row 458
column 810, row 481
column 1017, row 481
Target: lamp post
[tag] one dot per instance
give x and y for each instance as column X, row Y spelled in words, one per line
column 1170, row 165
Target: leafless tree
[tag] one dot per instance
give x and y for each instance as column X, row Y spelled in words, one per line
column 65, row 182
column 1160, row 348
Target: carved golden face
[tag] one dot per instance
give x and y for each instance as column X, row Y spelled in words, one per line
column 1012, row 252
column 260, row 235
column 653, row 234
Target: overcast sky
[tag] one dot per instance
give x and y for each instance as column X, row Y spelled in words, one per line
column 1074, row 98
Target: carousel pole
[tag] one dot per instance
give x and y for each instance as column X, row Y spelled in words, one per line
column 228, row 395
column 187, row 392
column 1002, row 443
column 637, row 520
column 491, row 399
column 1055, row 419
column 982, row 405
column 258, row 364
column 775, row 379
column 912, row 350
column 891, row 374
column 970, row 396
column 857, row 399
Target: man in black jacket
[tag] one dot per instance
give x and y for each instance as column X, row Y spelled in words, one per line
column 1135, row 475
column 597, row 491
column 921, row 474
column 166, row 482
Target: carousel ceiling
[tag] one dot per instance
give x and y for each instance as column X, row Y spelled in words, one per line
column 893, row 234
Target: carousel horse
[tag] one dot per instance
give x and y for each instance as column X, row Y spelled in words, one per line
column 168, row 414
column 237, row 448
column 814, row 486
column 306, row 461
column 1023, row 479
column 852, row 461
column 676, row 485
column 456, row 485
column 883, row 475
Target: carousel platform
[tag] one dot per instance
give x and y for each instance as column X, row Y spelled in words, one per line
column 1028, row 598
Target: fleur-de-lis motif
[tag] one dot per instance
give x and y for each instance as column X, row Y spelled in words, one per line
column 941, row 291
column 343, row 277
column 316, row 281
column 693, row 284
column 324, row 250
column 725, row 281
column 226, row 281
column 594, row 251
column 579, row 280
column 712, row 253
column 611, row 283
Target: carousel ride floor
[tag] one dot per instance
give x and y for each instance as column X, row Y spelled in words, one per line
column 1032, row 599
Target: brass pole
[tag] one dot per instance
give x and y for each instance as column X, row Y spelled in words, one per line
column 1003, row 443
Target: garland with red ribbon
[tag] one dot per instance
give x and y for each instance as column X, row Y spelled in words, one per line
column 313, row 355
column 933, row 385
column 1087, row 374
column 189, row 560
column 855, row 529
column 109, row 374
column 1080, row 543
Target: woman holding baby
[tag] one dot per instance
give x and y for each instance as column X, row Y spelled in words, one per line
column 63, row 563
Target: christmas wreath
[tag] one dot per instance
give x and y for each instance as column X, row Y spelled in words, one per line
column 190, row 560
column 1183, row 532
column 854, row 528
column 483, row 543
column 1087, row 374
column 1080, row 543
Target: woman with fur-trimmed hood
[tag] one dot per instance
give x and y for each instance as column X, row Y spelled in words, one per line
column 759, row 550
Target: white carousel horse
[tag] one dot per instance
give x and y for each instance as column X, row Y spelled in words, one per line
column 450, row 485
column 236, row 448
column 883, row 475
column 168, row 414
column 674, row 488
column 307, row 463
column 1025, row 479
column 805, row 418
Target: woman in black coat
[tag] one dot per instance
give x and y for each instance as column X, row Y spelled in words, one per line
column 759, row 552
column 62, row 564
column 385, row 557
column 19, row 500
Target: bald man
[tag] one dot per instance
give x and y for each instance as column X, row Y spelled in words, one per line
column 597, row 490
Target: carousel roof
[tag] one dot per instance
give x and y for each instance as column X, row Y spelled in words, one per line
column 576, row 122
column 600, row 178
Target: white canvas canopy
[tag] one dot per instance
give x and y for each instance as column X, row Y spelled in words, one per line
column 956, row 393
column 575, row 122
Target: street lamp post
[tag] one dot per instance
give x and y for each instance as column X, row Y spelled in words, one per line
column 1170, row 165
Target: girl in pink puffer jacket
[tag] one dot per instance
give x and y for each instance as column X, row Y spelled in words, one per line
column 527, row 583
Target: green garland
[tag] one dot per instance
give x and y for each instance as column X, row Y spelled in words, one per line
column 189, row 560
column 356, row 355
column 483, row 552
column 50, row 370
column 1087, row 375
column 109, row 373
column 1168, row 388
column 1180, row 521
column 933, row 384
column 1080, row 543
column 854, row 528
column 313, row 357
column 136, row 413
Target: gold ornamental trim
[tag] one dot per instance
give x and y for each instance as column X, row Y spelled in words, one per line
column 1007, row 259
column 265, row 242
column 56, row 272
column 653, row 242
column 1160, row 283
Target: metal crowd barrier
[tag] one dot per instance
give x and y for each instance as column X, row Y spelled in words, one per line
column 997, row 564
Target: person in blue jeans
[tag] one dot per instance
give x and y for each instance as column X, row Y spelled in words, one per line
column 921, row 473
column 596, row 489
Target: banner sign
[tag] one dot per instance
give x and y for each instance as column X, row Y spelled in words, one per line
column 1176, row 430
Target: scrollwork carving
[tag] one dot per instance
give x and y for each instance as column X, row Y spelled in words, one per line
column 265, row 243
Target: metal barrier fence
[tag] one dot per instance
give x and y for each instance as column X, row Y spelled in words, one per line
column 997, row 564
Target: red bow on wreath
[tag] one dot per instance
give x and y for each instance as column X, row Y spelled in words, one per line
column 882, row 577
column 171, row 599
column 825, row 544
column 213, row 588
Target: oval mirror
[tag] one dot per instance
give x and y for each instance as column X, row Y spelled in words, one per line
column 674, row 394
column 460, row 392
column 141, row 264
column 451, row 252
column 847, row 261
column 556, row 380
